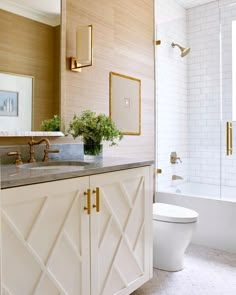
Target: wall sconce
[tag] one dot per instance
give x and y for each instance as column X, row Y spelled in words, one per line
column 84, row 49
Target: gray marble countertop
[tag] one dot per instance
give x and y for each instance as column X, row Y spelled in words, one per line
column 13, row 176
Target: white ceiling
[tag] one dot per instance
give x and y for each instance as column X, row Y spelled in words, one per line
column 46, row 11
column 193, row 3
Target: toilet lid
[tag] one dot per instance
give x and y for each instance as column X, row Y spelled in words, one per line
column 171, row 213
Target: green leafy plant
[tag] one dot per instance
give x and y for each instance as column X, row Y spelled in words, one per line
column 93, row 128
column 51, row 124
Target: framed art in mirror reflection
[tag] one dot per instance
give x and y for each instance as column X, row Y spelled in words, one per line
column 16, row 97
column 8, row 103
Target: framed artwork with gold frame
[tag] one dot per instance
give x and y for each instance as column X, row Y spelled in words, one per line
column 125, row 103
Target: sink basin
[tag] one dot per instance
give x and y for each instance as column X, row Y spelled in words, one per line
column 55, row 165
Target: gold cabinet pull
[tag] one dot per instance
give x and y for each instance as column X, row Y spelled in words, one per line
column 159, row 171
column 88, row 208
column 97, row 206
column 229, row 138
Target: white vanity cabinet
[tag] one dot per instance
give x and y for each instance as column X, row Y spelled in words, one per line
column 45, row 239
column 51, row 245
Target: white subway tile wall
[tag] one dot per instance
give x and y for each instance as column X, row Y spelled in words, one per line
column 204, row 100
column 171, row 69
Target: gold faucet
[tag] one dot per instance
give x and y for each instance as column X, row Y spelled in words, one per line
column 33, row 142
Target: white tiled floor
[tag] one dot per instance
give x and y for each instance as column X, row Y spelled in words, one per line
column 207, row 272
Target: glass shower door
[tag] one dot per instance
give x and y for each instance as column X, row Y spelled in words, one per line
column 228, row 96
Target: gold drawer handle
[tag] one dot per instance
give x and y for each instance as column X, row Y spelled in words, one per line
column 97, row 206
column 88, row 208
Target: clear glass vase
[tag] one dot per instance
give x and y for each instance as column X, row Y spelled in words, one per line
column 93, row 151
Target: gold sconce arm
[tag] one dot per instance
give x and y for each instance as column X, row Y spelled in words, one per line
column 74, row 65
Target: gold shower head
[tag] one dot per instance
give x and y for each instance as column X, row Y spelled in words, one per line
column 184, row 51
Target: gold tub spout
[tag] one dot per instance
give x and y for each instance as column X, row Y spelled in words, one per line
column 177, row 177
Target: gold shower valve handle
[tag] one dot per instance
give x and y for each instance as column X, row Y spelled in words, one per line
column 97, row 206
column 88, row 208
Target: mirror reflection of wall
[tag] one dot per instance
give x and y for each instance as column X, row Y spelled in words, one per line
column 30, row 46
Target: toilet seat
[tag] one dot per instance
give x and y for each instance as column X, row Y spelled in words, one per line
column 172, row 213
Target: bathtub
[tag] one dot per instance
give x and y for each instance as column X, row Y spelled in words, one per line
column 209, row 191
column 217, row 217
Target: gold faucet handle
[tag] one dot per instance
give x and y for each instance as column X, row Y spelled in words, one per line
column 178, row 158
column 174, row 158
column 47, row 151
column 18, row 157
column 53, row 151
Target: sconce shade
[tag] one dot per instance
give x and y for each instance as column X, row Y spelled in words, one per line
column 83, row 48
column 83, row 45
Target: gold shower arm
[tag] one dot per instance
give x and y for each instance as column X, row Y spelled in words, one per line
column 175, row 44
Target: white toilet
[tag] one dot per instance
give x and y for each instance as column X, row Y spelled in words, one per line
column 173, row 227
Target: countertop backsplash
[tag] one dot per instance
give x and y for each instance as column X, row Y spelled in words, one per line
column 67, row 152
